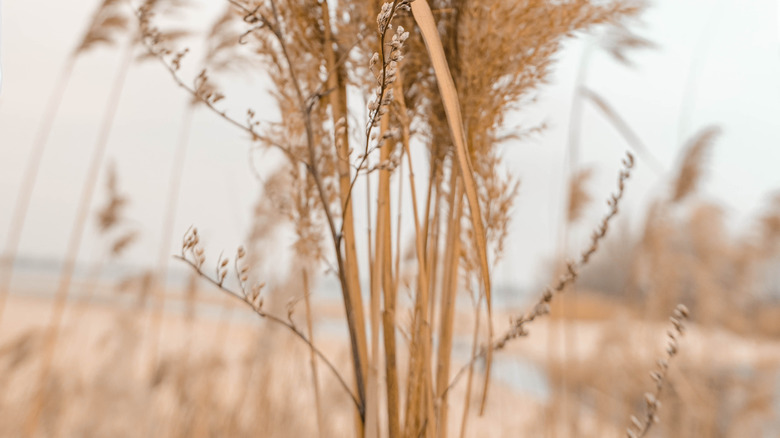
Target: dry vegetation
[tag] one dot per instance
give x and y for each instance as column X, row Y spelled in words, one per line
column 420, row 346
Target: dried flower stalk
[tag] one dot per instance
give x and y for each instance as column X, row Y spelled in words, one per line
column 639, row 428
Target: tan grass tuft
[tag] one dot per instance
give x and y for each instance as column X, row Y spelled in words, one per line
column 578, row 195
column 693, row 162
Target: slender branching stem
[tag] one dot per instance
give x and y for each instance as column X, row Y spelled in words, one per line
column 336, row 236
column 374, row 114
column 276, row 320
column 640, row 428
column 542, row 306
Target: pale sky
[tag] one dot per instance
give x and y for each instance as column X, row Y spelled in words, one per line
column 728, row 50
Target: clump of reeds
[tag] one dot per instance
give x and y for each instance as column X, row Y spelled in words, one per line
column 438, row 76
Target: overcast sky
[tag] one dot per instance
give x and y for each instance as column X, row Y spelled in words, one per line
column 717, row 62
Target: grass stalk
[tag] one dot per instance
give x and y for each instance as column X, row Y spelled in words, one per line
column 24, row 196
column 74, row 243
column 313, row 354
column 382, row 279
column 470, row 376
column 168, row 224
column 377, row 263
column 447, row 304
column 632, row 139
column 338, row 104
column 432, row 249
column 424, row 18
column 419, row 404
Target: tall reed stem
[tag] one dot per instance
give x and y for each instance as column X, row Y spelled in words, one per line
column 74, row 242
column 313, row 355
column 569, row 304
column 448, row 299
column 169, row 221
column 420, row 405
column 351, row 274
column 470, row 377
column 22, row 205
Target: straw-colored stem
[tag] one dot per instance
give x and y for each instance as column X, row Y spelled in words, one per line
column 347, row 271
column 447, row 305
column 377, row 265
column 429, row 199
column 399, row 202
column 74, row 243
column 632, row 138
column 313, row 354
column 571, row 163
column 424, row 18
column 420, row 354
column 168, row 224
column 22, row 205
column 470, row 376
column 432, row 251
column 389, row 317
column 337, row 99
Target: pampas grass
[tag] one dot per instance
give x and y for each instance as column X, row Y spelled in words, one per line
column 435, row 94
column 278, row 34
